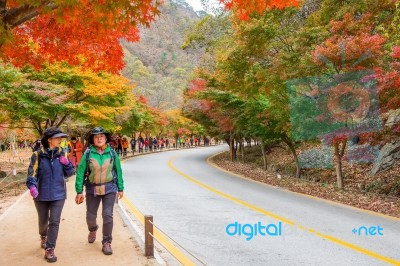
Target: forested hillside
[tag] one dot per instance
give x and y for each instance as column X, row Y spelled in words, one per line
column 157, row 64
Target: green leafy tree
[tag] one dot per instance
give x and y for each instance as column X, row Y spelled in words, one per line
column 57, row 92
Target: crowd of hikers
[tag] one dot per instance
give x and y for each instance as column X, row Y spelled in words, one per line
column 121, row 144
column 149, row 144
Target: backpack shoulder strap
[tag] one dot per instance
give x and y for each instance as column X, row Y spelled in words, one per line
column 37, row 154
column 114, row 166
column 87, row 152
column 113, row 154
column 87, row 169
column 37, row 157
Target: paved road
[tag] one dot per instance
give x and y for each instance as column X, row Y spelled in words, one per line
column 194, row 203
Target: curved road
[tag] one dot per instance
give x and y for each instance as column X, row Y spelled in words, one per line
column 197, row 204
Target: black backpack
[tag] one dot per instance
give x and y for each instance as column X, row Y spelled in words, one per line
column 36, row 146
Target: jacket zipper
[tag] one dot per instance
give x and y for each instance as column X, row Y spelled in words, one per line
column 101, row 170
column 52, row 172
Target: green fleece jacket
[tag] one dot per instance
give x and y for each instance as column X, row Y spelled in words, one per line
column 102, row 179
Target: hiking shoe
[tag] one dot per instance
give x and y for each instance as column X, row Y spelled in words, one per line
column 92, row 236
column 107, row 250
column 43, row 240
column 49, row 255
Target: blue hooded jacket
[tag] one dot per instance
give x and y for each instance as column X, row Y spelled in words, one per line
column 47, row 174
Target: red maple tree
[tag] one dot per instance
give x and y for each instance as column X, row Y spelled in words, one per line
column 243, row 8
column 389, row 83
column 86, row 33
column 353, row 45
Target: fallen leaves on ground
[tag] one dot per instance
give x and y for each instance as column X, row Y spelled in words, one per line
column 352, row 194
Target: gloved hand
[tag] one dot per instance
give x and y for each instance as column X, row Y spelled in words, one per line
column 64, row 160
column 34, row 192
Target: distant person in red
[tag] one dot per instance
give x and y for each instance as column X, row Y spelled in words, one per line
column 76, row 151
column 125, row 145
column 118, row 145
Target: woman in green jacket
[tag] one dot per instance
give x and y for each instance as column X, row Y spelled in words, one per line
column 101, row 174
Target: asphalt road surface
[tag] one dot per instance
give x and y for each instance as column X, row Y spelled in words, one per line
column 223, row 219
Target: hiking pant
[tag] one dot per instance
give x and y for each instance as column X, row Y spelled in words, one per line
column 49, row 216
column 92, row 206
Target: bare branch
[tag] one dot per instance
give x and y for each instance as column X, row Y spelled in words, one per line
column 62, row 120
column 3, row 4
column 19, row 15
column 16, row 16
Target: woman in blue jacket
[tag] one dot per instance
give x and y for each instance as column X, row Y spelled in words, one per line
column 46, row 173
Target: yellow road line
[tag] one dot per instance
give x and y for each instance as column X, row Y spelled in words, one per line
column 300, row 227
column 359, row 249
column 260, row 210
column 159, row 236
column 241, row 202
column 301, row 194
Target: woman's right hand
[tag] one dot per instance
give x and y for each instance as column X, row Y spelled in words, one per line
column 79, row 198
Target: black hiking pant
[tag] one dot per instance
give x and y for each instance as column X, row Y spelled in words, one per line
column 49, row 216
column 92, row 206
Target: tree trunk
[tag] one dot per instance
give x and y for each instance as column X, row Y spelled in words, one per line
column 339, row 152
column 242, row 149
column 229, row 142
column 248, row 142
column 264, row 156
column 233, row 150
column 293, row 151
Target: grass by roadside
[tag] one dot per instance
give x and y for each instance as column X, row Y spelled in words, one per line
column 12, row 184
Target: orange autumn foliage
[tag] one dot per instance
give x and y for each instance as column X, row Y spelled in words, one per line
column 85, row 34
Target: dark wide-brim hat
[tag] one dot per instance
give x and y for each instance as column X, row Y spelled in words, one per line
column 53, row 132
column 97, row 131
